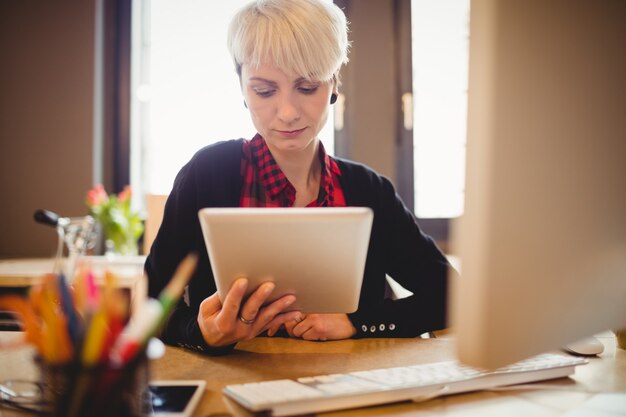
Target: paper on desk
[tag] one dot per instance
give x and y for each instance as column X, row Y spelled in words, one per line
column 601, row 405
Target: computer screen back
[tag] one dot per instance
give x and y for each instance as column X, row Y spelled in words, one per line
column 542, row 240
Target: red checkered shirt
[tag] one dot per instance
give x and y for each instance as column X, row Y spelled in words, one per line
column 265, row 185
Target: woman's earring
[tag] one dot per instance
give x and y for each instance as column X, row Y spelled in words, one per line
column 245, row 104
column 333, row 98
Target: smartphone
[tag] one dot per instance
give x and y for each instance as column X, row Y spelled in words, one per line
column 171, row 398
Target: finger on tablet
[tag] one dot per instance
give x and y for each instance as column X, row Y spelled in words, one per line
column 272, row 310
column 234, row 297
column 251, row 307
column 279, row 320
column 272, row 330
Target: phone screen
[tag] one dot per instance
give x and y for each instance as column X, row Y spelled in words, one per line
column 171, row 398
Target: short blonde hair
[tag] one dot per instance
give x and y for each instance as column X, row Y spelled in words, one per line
column 308, row 37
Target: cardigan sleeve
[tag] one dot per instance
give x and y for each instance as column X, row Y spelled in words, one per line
column 399, row 249
column 196, row 186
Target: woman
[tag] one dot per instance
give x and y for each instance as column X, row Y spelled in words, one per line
column 288, row 54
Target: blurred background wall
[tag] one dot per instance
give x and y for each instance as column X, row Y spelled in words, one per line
column 46, row 118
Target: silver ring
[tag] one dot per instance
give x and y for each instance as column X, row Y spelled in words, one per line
column 299, row 319
column 245, row 321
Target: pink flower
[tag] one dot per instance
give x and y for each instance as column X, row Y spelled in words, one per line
column 125, row 194
column 97, row 196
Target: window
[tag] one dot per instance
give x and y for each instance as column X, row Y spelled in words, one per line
column 440, row 48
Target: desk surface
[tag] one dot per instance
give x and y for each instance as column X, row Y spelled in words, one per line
column 268, row 358
column 29, row 271
column 16, row 274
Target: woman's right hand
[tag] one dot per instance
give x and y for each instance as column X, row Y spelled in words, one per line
column 234, row 320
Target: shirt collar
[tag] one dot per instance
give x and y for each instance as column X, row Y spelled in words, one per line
column 274, row 180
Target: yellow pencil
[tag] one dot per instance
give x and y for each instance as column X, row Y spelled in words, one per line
column 95, row 338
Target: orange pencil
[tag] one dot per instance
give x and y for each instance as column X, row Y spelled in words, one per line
column 30, row 322
column 80, row 291
column 56, row 320
column 49, row 345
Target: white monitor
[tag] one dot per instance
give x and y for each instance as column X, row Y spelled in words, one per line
column 542, row 240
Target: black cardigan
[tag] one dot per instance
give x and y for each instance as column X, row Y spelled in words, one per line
column 398, row 248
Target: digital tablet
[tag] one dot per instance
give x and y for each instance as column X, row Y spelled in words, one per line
column 176, row 398
column 317, row 254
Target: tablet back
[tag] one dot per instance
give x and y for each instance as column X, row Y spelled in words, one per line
column 318, row 254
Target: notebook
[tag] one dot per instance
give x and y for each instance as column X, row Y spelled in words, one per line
column 318, row 254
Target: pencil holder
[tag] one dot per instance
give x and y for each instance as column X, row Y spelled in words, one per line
column 71, row 390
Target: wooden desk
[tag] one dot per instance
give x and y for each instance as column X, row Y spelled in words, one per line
column 267, row 358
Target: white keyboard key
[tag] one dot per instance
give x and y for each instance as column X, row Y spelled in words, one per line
column 272, row 391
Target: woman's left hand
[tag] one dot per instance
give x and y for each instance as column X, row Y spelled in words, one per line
column 319, row 327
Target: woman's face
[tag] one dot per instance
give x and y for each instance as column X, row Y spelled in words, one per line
column 286, row 109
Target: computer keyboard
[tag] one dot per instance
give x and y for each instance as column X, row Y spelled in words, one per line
column 286, row 397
